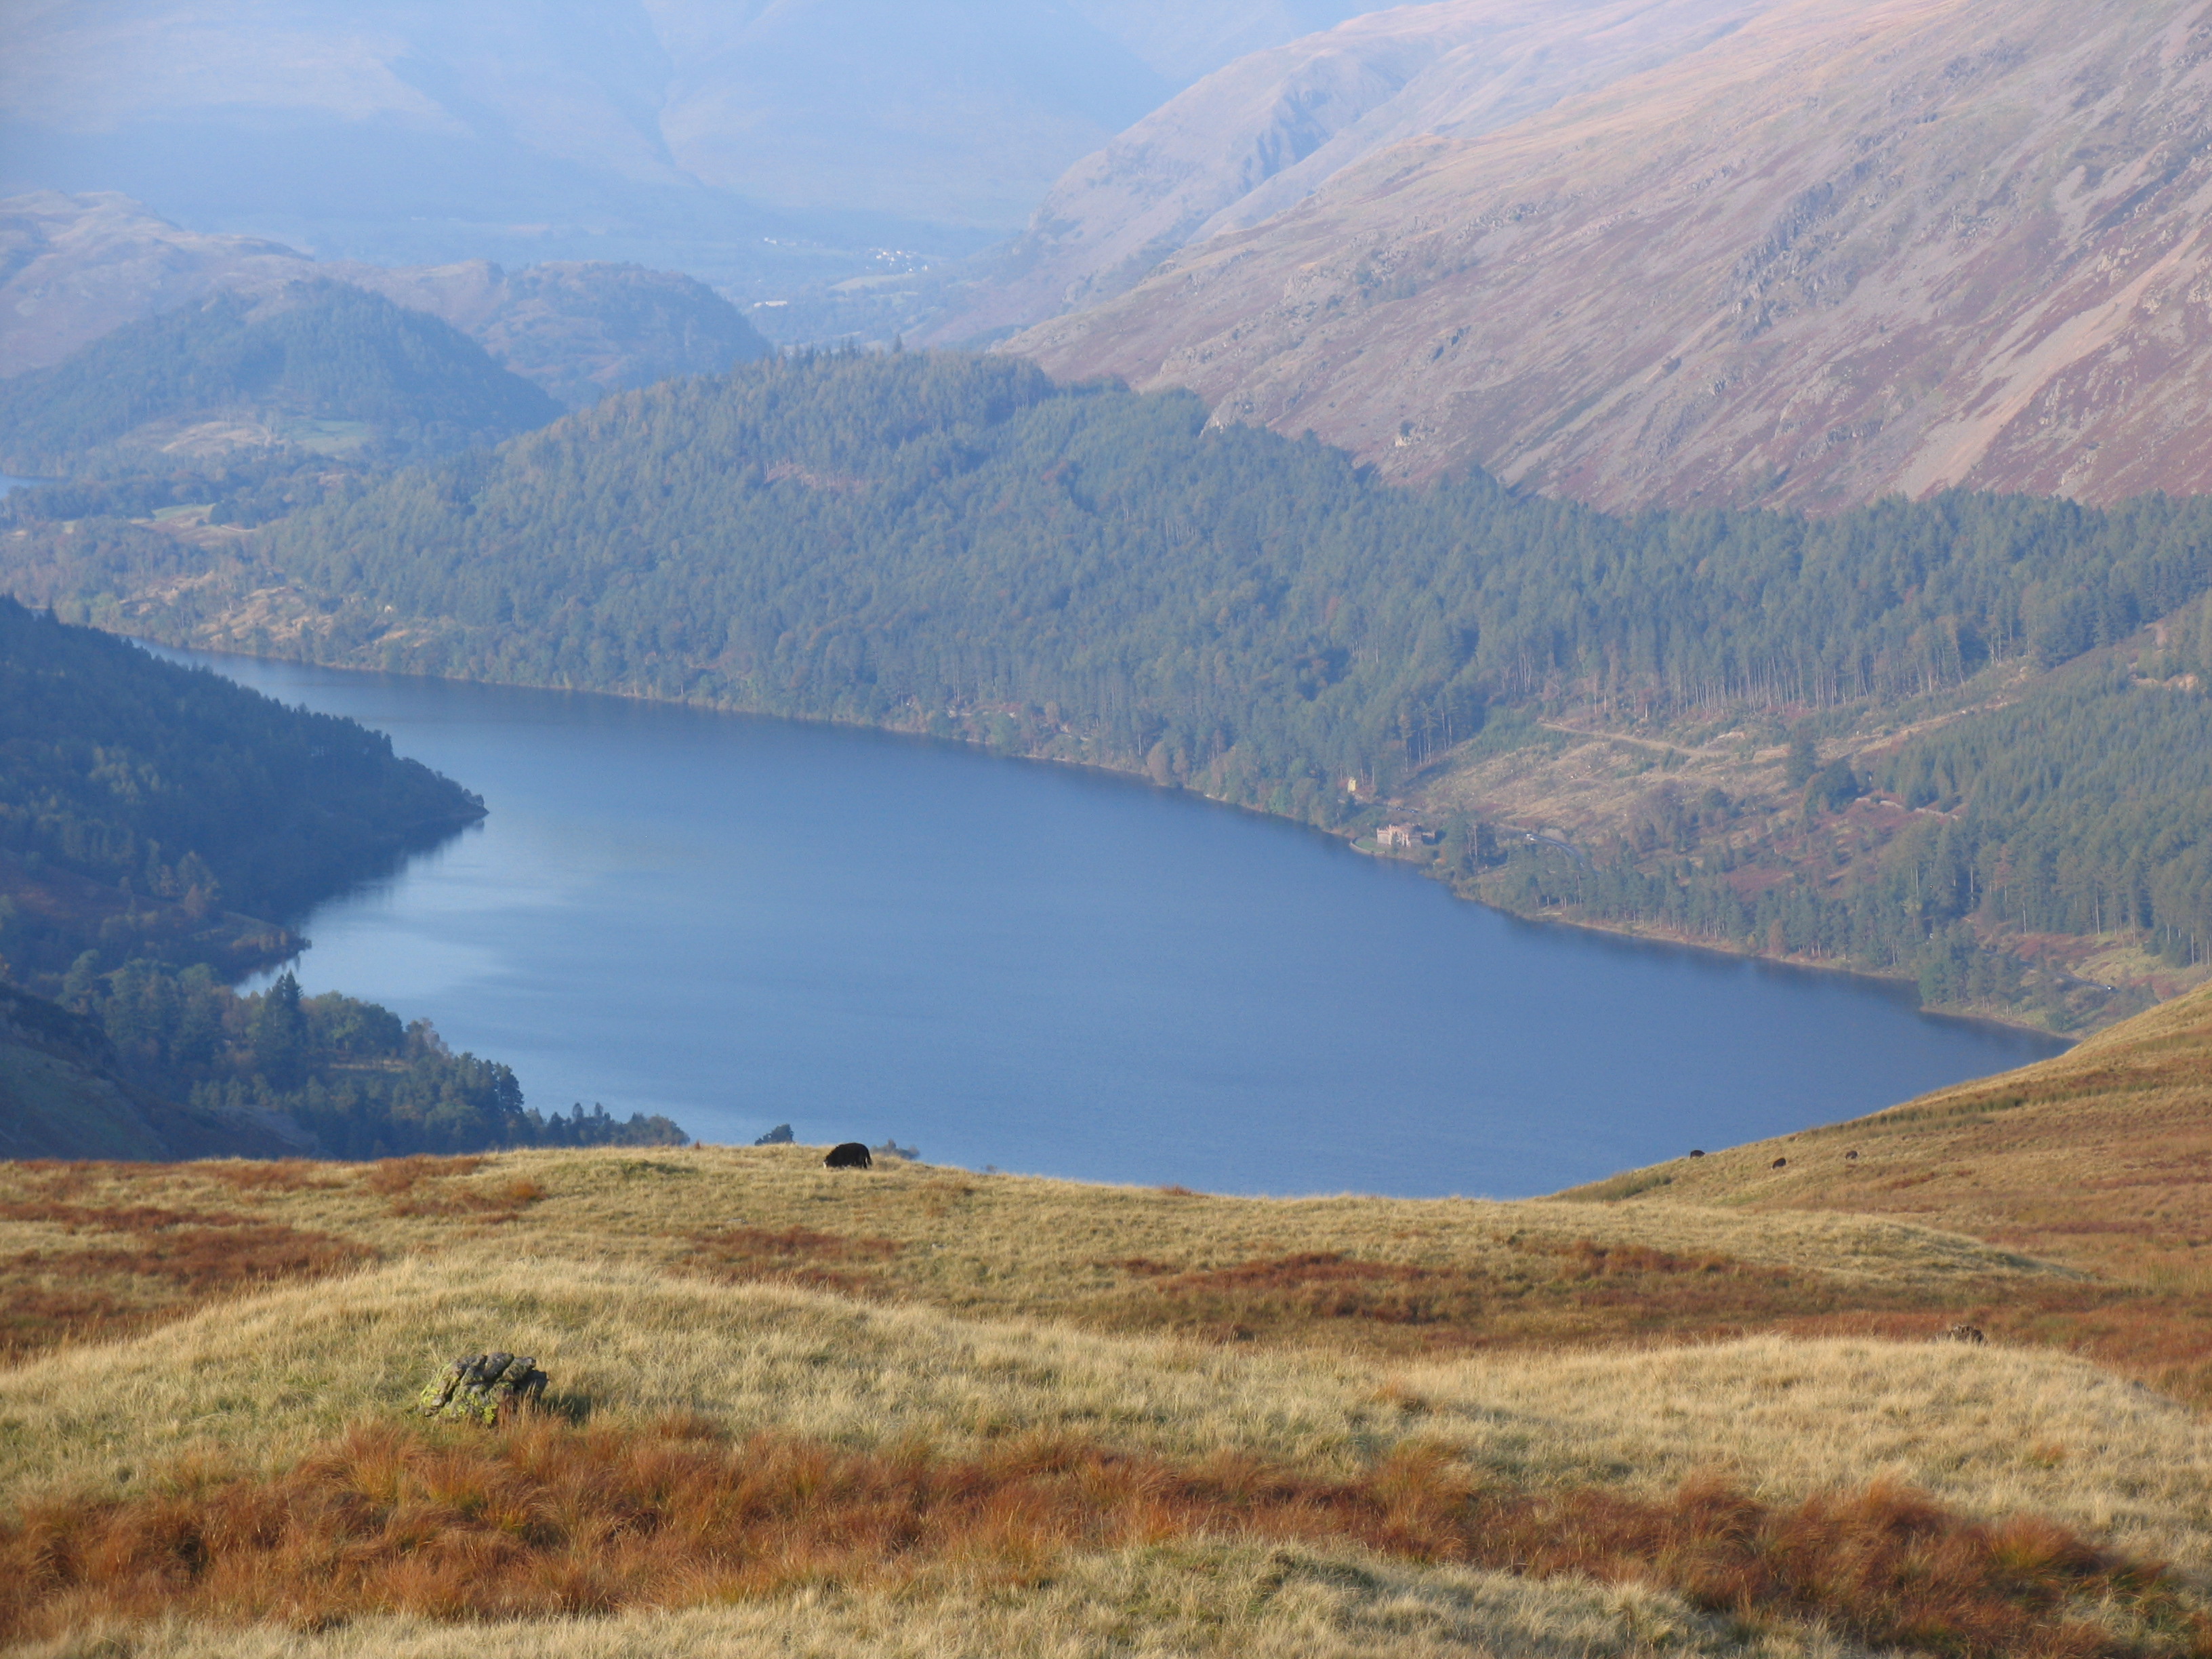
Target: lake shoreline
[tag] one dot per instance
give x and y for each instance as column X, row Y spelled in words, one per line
column 738, row 923
column 916, row 731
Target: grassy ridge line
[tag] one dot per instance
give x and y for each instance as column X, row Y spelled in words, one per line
column 97, row 1250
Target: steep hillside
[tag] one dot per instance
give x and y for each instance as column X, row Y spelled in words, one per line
column 137, row 796
column 63, row 1096
column 1980, row 224
column 319, row 367
column 74, row 267
column 1263, row 133
column 578, row 330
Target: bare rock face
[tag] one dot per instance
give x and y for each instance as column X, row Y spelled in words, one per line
column 74, row 267
column 1836, row 253
column 1266, row 131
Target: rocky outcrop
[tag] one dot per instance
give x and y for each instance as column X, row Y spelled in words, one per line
column 1838, row 252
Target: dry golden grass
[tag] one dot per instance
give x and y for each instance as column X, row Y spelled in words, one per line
column 1192, row 1601
column 1390, row 1276
column 2100, row 1158
column 1721, row 1324
column 259, row 1386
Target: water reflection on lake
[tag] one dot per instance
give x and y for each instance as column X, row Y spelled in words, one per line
column 743, row 922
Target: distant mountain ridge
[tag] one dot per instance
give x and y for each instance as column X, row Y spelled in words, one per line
column 316, row 366
column 752, row 143
column 1831, row 254
column 72, row 268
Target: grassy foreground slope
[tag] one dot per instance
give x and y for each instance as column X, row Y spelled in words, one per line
column 885, row 1406
column 916, row 1411
column 2100, row 1158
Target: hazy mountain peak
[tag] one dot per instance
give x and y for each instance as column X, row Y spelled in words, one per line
column 73, row 268
column 745, row 142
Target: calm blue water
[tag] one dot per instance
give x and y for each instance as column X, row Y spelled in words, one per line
column 743, row 922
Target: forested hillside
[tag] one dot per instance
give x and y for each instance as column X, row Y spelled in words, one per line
column 158, row 825
column 176, row 790
column 316, row 366
column 955, row 544
column 878, row 538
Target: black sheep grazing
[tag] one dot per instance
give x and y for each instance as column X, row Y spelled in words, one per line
column 852, row 1155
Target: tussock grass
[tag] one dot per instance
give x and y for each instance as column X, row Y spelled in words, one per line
column 547, row 1520
column 1394, row 1276
column 1180, row 1600
column 260, row 1383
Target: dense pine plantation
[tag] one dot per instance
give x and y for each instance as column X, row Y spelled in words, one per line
column 953, row 543
column 875, row 537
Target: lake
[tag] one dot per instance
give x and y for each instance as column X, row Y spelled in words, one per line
column 744, row 922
